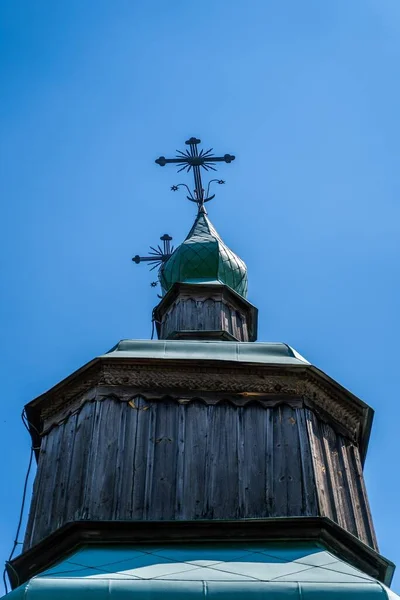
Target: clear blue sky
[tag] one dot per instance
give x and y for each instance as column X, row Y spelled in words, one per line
column 306, row 93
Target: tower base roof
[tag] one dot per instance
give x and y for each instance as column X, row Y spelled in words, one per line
column 296, row 569
column 292, row 535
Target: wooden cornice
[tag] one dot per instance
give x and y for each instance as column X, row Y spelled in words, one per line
column 225, row 381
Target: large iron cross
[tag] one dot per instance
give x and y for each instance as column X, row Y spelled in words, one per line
column 193, row 159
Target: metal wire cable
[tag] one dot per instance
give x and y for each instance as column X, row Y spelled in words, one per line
column 153, row 321
column 21, row 512
column 27, row 425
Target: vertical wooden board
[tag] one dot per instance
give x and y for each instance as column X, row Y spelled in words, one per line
column 364, row 504
column 310, row 502
column 245, row 332
column 269, row 463
column 74, row 508
column 29, row 533
column 280, row 476
column 149, row 450
column 232, row 320
column 293, row 462
column 333, row 477
column 218, row 314
column 90, row 495
column 191, row 316
column 178, row 315
column 195, row 478
column 172, row 320
column 360, row 510
column 252, row 457
column 239, row 324
column 338, row 476
column 183, row 314
column 56, row 512
column 235, row 324
column 197, row 316
column 119, row 500
column 243, row 484
column 209, row 312
column 41, row 489
column 172, row 317
column 203, row 314
column 222, row 462
column 180, row 460
column 351, row 489
column 111, row 431
column 226, row 320
column 166, row 324
column 165, row 462
column 126, row 461
column 242, row 328
column 103, row 473
column 43, row 525
column 322, row 487
column 145, row 415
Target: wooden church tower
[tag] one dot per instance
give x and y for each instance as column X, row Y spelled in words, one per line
column 201, row 464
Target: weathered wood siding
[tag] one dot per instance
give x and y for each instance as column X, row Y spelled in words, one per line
column 211, row 315
column 164, row 460
column 340, row 481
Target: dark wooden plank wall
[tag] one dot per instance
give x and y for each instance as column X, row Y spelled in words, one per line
column 188, row 314
column 339, row 480
column 163, row 460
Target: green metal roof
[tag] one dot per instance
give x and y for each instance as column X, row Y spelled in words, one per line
column 204, row 258
column 300, row 571
column 251, row 352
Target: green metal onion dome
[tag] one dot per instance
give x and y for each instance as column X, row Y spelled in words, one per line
column 204, row 258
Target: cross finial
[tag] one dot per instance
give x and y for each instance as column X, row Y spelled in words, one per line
column 192, row 159
column 157, row 255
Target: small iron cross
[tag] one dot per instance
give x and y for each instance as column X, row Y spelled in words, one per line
column 192, row 159
column 157, row 255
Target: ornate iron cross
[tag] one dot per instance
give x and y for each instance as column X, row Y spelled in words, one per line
column 193, row 159
column 157, row 255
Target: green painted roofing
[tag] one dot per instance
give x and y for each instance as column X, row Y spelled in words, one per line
column 238, row 571
column 204, row 258
column 252, row 352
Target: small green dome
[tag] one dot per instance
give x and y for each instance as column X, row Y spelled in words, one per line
column 204, row 258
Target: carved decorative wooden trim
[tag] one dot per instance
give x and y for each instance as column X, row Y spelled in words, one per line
column 249, row 383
